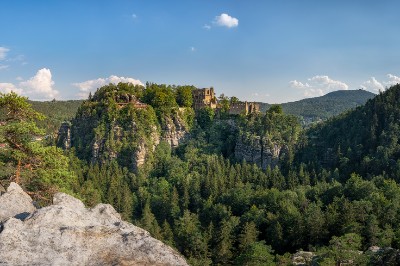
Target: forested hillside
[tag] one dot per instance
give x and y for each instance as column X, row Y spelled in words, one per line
column 324, row 107
column 365, row 141
column 332, row 189
column 56, row 112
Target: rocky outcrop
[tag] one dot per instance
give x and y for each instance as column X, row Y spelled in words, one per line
column 174, row 131
column 303, row 258
column 15, row 203
column 259, row 150
column 130, row 131
column 64, row 136
column 67, row 233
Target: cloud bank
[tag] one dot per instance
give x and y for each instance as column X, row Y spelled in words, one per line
column 374, row 85
column 9, row 87
column 91, row 85
column 318, row 85
column 38, row 87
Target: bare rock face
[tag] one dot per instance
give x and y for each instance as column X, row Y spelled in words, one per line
column 15, row 203
column 174, row 131
column 67, row 233
column 303, row 258
column 259, row 150
column 64, row 136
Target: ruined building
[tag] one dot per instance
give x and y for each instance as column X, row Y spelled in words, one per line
column 125, row 99
column 203, row 98
column 244, row 108
column 206, row 97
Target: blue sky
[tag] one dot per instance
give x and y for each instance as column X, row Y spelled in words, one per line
column 270, row 51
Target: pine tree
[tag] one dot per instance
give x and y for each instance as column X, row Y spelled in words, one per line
column 248, row 235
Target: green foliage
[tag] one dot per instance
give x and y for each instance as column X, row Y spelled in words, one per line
column 56, row 112
column 343, row 250
column 275, row 109
column 184, row 96
column 205, row 117
column 40, row 169
column 256, row 254
column 160, row 97
column 224, row 103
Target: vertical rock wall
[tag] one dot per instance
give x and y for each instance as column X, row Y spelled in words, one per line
column 259, row 150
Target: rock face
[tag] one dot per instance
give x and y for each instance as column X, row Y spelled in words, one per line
column 64, row 136
column 174, row 131
column 67, row 233
column 259, row 150
column 15, row 203
column 303, row 258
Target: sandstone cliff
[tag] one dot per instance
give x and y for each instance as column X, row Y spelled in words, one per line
column 174, row 130
column 67, row 233
column 134, row 139
column 64, row 136
column 259, row 150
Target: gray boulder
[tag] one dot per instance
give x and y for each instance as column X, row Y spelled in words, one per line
column 67, row 233
column 15, row 203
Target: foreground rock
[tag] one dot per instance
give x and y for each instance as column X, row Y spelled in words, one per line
column 67, row 233
column 15, row 202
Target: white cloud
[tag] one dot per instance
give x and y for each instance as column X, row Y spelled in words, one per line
column 3, row 52
column 3, row 67
column 298, row 85
column 326, row 83
column 318, row 85
column 91, row 85
column 393, row 80
column 372, row 85
column 206, row 26
column 375, row 86
column 224, row 20
column 9, row 87
column 40, row 86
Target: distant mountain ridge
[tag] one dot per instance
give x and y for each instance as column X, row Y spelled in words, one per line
column 326, row 106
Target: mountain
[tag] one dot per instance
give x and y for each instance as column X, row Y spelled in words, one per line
column 324, row 107
column 364, row 140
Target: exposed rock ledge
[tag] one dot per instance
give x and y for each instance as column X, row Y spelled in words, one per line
column 67, row 233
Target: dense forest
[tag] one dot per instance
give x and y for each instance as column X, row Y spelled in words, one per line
column 56, row 112
column 333, row 191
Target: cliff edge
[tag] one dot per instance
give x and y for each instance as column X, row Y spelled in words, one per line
column 67, row 233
